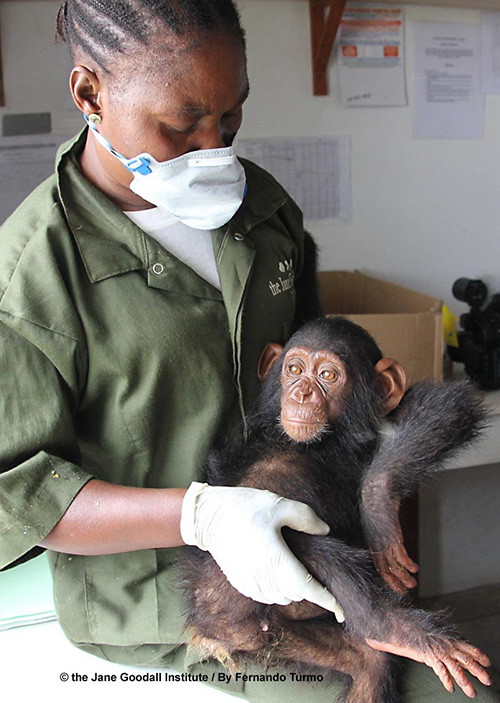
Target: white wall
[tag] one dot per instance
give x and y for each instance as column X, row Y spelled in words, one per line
column 459, row 530
column 425, row 212
column 33, row 66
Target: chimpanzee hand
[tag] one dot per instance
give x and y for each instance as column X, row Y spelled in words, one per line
column 392, row 561
column 241, row 528
column 380, row 516
column 449, row 658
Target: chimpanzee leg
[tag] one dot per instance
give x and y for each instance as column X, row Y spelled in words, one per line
column 372, row 611
column 349, row 574
column 328, row 646
column 219, row 630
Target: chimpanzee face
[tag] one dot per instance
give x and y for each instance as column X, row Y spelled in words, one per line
column 314, row 386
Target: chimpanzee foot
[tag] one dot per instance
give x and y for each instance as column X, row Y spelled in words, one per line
column 449, row 658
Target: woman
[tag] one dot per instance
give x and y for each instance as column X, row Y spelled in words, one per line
column 131, row 334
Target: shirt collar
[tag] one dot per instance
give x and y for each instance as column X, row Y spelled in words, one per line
column 109, row 242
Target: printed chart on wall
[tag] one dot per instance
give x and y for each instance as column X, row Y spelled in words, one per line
column 24, row 163
column 371, row 60
column 314, row 170
column 448, row 92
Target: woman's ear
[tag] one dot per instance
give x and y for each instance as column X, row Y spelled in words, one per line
column 268, row 358
column 85, row 88
column 392, row 377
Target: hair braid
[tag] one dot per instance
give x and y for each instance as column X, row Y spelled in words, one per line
column 103, row 28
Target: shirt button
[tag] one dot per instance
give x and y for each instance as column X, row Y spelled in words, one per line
column 158, row 268
column 239, row 237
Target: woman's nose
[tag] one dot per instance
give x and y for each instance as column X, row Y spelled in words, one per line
column 213, row 137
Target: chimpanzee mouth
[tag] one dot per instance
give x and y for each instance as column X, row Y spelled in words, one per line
column 303, row 430
column 303, row 422
column 304, row 418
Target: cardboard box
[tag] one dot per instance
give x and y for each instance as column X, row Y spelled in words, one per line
column 407, row 325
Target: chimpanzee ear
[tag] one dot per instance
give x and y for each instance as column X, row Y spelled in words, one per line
column 392, row 376
column 268, row 358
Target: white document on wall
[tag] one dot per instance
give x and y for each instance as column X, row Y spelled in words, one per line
column 24, row 163
column 314, row 170
column 370, row 52
column 448, row 92
column 490, row 43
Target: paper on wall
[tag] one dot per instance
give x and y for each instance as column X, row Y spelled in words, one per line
column 448, row 94
column 370, row 52
column 314, row 170
column 490, row 43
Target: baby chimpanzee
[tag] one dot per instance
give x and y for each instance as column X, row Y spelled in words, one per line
column 315, row 436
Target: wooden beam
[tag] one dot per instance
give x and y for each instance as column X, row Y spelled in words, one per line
column 317, row 21
column 323, row 33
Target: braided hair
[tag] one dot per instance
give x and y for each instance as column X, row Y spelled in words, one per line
column 103, row 28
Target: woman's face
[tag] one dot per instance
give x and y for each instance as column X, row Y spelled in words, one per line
column 194, row 102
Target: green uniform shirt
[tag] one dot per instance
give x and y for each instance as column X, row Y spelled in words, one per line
column 117, row 361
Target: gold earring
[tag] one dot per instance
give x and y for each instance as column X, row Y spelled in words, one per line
column 95, row 118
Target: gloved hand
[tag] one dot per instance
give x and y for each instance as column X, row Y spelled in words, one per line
column 241, row 528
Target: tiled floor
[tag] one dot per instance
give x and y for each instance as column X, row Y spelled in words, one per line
column 477, row 613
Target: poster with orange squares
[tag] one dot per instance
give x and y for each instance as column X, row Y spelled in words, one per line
column 371, row 56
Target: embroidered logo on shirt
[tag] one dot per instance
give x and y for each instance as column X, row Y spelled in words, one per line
column 285, row 266
column 284, row 283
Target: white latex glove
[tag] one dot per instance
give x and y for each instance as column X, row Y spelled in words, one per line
column 241, row 528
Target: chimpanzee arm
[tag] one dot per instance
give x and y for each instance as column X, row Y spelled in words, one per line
column 308, row 306
column 432, row 423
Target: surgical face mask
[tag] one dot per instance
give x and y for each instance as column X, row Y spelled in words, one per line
column 203, row 189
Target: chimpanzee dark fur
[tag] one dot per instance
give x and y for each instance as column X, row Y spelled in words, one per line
column 352, row 477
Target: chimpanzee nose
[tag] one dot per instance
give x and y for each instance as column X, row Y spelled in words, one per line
column 302, row 391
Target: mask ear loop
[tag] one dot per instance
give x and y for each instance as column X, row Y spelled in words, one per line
column 138, row 164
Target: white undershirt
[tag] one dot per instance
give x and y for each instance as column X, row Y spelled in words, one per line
column 192, row 246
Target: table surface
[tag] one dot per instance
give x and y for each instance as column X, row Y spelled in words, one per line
column 34, row 657
column 487, row 449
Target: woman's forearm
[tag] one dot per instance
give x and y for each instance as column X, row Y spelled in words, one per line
column 109, row 519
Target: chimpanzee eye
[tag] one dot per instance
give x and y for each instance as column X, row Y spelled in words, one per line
column 328, row 375
column 294, row 370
